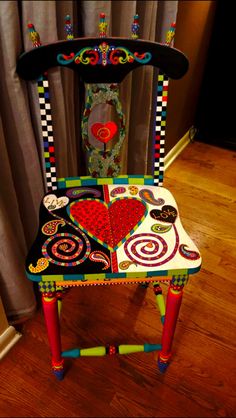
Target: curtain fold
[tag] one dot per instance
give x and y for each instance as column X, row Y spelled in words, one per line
column 21, row 168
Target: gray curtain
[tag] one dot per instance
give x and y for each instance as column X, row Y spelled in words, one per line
column 21, row 168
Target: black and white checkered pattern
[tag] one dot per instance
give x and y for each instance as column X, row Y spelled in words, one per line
column 160, row 128
column 47, row 132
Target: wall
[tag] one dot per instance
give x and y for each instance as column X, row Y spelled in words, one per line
column 193, row 31
column 8, row 334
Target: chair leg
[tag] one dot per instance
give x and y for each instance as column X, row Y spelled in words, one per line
column 173, row 303
column 51, row 315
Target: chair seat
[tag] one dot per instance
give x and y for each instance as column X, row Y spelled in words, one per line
column 110, row 233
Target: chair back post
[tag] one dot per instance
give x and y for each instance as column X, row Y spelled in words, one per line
column 160, row 118
column 46, row 120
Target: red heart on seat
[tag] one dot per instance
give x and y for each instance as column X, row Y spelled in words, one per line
column 104, row 132
column 109, row 224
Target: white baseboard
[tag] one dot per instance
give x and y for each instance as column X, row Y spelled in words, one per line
column 7, row 339
column 176, row 150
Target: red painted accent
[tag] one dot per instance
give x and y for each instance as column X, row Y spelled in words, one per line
column 106, row 194
column 173, row 303
column 109, row 224
column 158, row 137
column 157, row 155
column 164, row 98
column 53, row 327
column 51, row 149
column 52, row 159
column 104, row 132
column 114, row 262
column 157, row 146
column 165, row 88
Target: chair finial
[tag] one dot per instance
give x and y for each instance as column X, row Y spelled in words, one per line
column 68, row 28
column 170, row 34
column 135, row 27
column 34, row 36
column 102, row 26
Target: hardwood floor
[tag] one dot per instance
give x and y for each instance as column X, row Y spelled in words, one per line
column 200, row 381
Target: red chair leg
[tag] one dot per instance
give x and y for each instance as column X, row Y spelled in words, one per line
column 173, row 303
column 53, row 329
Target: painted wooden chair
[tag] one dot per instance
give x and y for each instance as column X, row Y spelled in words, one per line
column 106, row 228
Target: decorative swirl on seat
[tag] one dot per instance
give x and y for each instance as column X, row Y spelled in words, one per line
column 149, row 250
column 148, row 196
column 41, row 265
column 65, row 249
column 189, row 254
column 78, row 192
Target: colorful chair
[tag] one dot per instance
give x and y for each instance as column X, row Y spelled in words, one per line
column 107, row 228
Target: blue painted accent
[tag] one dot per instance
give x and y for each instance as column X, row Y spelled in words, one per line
column 73, row 353
column 61, row 185
column 152, row 347
column 162, row 319
column 162, row 366
column 163, row 113
column 159, row 88
column 46, row 95
column 59, row 374
column 73, row 276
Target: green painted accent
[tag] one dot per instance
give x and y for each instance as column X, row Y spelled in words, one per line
column 95, row 276
column 127, row 349
column 46, row 154
column 59, row 306
column 161, row 304
column 93, row 351
column 163, row 123
column 40, row 89
column 109, row 276
column 73, row 183
column 52, row 278
column 105, row 181
column 178, row 272
column 160, row 77
column 90, row 181
column 152, row 347
column 137, row 275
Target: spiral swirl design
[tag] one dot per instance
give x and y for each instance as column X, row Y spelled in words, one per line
column 149, row 250
column 66, row 249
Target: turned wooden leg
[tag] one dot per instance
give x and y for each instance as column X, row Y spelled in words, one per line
column 50, row 309
column 173, row 303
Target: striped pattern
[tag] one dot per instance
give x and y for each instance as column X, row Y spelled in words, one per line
column 112, row 278
column 160, row 128
column 65, row 183
column 47, row 132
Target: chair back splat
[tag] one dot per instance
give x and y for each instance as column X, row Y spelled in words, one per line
column 106, row 228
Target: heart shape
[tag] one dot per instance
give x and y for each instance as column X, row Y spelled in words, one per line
column 166, row 214
column 52, row 202
column 104, row 132
column 109, row 224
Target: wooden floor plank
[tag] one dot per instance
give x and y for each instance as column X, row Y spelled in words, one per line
column 200, row 381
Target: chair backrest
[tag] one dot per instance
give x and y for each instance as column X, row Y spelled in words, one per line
column 102, row 63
